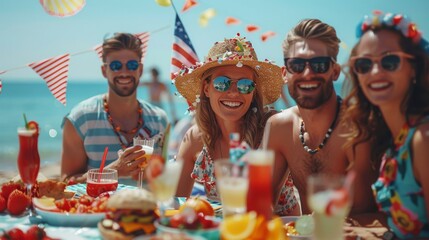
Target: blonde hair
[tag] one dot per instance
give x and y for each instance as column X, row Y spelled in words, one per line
column 313, row 29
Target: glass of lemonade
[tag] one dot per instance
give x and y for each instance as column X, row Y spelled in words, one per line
column 232, row 184
column 147, row 146
column 330, row 201
column 164, row 185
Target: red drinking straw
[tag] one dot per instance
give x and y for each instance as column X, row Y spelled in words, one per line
column 103, row 161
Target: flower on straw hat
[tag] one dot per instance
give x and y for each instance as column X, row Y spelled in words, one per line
column 234, row 51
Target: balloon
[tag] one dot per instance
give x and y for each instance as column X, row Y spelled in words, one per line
column 164, row 3
column 62, row 8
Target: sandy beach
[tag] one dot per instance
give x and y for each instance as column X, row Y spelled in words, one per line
column 50, row 171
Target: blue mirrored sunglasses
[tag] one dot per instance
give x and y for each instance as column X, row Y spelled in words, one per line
column 244, row 85
column 116, row 65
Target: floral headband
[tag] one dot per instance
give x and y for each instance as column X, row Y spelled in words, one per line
column 398, row 21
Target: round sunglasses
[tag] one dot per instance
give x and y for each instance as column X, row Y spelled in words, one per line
column 389, row 62
column 318, row 65
column 116, row 65
column 244, row 85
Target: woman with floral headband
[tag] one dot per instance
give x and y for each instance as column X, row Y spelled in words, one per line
column 389, row 105
column 228, row 91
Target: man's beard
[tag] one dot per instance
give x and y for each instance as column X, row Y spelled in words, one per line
column 120, row 90
column 315, row 101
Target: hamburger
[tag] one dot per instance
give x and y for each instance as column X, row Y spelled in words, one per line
column 131, row 213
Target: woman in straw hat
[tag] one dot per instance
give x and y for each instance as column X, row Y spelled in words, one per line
column 389, row 106
column 228, row 92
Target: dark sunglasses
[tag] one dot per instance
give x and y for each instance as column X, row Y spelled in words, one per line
column 317, row 64
column 389, row 62
column 244, row 85
column 116, row 65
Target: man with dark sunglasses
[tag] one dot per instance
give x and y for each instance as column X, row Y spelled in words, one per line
column 308, row 138
column 112, row 119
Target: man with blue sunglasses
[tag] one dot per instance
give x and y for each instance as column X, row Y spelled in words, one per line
column 112, row 119
column 308, row 138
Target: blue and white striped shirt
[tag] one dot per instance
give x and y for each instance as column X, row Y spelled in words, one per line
column 91, row 123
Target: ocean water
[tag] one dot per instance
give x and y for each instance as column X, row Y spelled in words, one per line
column 35, row 100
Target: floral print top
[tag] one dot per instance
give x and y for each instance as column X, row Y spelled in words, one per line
column 203, row 173
column 397, row 192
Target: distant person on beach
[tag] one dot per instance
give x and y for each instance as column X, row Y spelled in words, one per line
column 388, row 106
column 307, row 138
column 229, row 91
column 156, row 90
column 112, row 119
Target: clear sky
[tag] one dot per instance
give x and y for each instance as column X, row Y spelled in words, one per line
column 29, row 34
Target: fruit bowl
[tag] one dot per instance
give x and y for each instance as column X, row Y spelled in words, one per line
column 209, row 233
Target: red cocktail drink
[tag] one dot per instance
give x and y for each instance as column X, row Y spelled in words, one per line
column 259, row 195
column 99, row 182
column 94, row 189
column 28, row 156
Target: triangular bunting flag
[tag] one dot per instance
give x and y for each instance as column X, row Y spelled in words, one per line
column 252, row 28
column 55, row 73
column 188, row 4
column 231, row 21
column 266, row 35
column 144, row 38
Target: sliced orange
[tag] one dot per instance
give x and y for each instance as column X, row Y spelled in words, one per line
column 261, row 230
column 276, row 230
column 238, row 226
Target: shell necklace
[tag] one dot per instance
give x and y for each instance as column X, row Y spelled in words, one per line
column 327, row 135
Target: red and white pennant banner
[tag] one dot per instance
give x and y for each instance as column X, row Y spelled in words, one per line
column 144, row 38
column 1, row 85
column 55, row 72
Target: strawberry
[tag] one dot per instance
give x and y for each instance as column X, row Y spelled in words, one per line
column 7, row 188
column 156, row 166
column 2, row 204
column 33, row 125
column 17, row 202
column 15, row 234
column 35, row 233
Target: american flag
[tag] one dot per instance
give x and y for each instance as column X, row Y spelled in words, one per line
column 144, row 38
column 183, row 51
column 55, row 72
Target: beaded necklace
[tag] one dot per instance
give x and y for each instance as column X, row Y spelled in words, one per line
column 117, row 129
column 327, row 135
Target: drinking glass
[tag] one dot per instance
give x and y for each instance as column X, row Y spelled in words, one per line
column 164, row 185
column 147, row 145
column 259, row 196
column 28, row 157
column 233, row 184
column 330, row 202
column 99, row 182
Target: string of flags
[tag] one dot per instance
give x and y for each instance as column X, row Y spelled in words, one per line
column 55, row 70
column 210, row 13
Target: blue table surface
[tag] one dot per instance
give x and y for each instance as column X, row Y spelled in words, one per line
column 76, row 233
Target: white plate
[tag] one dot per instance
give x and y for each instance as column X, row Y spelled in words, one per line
column 287, row 219
column 70, row 219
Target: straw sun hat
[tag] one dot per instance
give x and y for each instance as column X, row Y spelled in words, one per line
column 235, row 51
